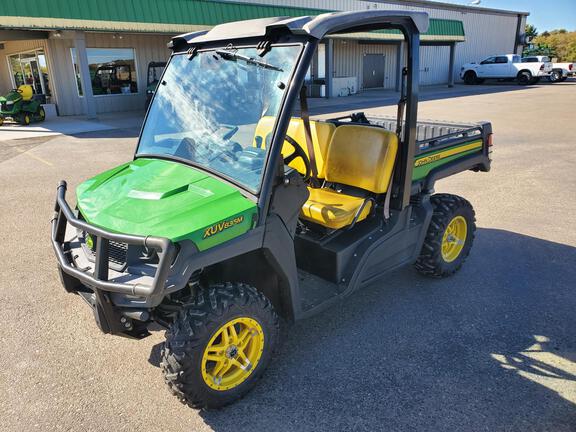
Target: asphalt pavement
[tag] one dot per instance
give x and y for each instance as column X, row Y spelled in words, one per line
column 491, row 349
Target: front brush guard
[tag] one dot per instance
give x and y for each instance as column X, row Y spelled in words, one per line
column 108, row 317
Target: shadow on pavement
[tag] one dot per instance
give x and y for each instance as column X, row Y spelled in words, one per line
column 411, row 353
column 132, row 132
column 381, row 98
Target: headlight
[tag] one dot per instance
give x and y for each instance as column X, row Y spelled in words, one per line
column 149, row 92
column 10, row 103
column 89, row 241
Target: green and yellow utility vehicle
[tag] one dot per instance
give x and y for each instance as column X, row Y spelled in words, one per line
column 235, row 212
column 20, row 106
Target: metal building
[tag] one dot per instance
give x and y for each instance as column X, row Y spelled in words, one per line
column 71, row 52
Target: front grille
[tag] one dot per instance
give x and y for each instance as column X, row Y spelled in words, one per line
column 117, row 253
column 4, row 106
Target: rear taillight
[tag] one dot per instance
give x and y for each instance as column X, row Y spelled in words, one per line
column 570, row 66
column 489, row 140
column 542, row 66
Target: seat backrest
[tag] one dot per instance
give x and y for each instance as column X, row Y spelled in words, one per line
column 362, row 156
column 321, row 136
column 26, row 92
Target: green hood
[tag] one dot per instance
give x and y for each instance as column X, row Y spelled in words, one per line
column 13, row 96
column 166, row 199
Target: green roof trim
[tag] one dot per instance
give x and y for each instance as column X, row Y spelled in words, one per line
column 182, row 12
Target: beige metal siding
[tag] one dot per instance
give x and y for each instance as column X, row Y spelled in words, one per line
column 147, row 48
column 434, row 64
column 348, row 60
column 487, row 33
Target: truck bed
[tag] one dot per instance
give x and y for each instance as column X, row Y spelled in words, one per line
column 442, row 148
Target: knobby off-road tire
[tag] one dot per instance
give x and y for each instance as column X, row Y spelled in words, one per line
column 194, row 330
column 448, row 209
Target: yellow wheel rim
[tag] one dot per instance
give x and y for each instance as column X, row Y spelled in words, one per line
column 454, row 239
column 232, row 354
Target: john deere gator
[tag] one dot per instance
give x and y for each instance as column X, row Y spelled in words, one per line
column 238, row 213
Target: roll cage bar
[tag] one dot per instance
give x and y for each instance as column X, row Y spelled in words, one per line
column 310, row 30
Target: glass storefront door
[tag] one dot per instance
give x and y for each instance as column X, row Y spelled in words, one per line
column 31, row 68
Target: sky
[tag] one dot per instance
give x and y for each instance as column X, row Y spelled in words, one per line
column 544, row 14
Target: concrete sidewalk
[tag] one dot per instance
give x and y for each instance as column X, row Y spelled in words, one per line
column 72, row 125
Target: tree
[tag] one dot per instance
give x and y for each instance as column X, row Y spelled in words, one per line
column 539, row 50
column 561, row 42
column 531, row 31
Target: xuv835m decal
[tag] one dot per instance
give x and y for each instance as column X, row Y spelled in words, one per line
column 221, row 226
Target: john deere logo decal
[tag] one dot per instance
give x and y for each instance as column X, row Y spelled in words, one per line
column 476, row 145
column 429, row 159
column 221, row 226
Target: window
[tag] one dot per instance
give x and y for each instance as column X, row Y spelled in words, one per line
column 112, row 71
column 501, row 60
column 489, row 60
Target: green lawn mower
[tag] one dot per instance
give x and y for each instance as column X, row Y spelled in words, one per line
column 20, row 106
column 237, row 213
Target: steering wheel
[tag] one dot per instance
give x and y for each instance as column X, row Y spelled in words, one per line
column 298, row 153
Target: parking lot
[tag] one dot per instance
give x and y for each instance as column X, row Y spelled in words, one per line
column 492, row 348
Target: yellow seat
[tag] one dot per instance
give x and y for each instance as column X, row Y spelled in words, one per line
column 358, row 156
column 332, row 209
column 26, row 92
column 321, row 135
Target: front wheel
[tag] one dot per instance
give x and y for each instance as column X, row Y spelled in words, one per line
column 25, row 119
column 41, row 114
column 1, row 120
column 219, row 345
column 470, row 78
column 449, row 238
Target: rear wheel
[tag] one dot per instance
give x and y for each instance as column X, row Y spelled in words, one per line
column 470, row 78
column 555, row 76
column 449, row 237
column 524, row 77
column 220, row 345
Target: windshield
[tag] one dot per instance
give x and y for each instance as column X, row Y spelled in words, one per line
column 206, row 110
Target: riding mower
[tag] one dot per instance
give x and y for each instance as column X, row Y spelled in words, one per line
column 20, row 106
column 236, row 215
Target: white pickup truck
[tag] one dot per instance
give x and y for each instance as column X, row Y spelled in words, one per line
column 560, row 71
column 505, row 67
